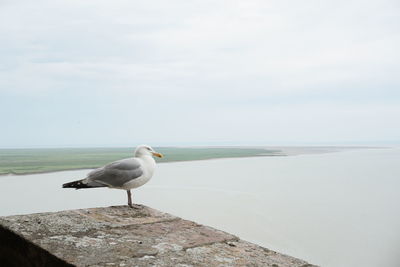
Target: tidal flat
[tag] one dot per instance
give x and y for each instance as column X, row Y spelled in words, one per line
column 29, row 161
column 331, row 209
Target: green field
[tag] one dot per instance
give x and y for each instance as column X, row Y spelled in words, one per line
column 24, row 161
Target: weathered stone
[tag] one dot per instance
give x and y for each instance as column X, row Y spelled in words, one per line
column 121, row 236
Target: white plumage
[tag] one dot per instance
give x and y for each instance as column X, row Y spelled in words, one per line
column 123, row 174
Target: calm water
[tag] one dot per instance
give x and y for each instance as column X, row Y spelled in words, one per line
column 338, row 209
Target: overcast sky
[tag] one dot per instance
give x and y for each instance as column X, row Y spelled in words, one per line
column 121, row 73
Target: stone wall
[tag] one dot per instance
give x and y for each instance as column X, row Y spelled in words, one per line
column 121, row 236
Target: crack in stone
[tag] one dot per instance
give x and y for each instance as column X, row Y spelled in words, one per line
column 234, row 239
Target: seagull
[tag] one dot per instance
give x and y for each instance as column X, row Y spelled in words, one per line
column 122, row 174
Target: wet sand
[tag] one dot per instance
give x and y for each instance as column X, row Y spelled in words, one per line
column 335, row 209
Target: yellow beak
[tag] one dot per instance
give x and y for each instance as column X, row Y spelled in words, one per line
column 157, row 154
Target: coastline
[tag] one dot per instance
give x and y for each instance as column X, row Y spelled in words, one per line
column 358, row 186
column 272, row 151
column 172, row 161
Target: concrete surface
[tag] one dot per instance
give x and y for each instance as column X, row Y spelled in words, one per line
column 121, row 236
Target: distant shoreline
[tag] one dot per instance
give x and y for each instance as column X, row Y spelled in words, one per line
column 175, row 155
column 172, row 161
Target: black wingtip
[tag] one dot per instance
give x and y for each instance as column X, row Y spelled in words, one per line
column 75, row 184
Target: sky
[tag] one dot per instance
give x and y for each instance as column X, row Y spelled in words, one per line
column 121, row 73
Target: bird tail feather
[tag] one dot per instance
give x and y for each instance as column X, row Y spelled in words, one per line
column 78, row 184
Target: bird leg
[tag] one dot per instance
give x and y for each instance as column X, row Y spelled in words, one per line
column 133, row 206
column 129, row 198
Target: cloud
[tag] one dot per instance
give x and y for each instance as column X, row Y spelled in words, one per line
column 198, row 63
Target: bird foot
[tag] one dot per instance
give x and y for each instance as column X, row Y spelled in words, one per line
column 135, row 206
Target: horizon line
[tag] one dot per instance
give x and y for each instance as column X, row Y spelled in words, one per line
column 288, row 144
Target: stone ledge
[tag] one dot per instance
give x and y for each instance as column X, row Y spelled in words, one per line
column 121, row 236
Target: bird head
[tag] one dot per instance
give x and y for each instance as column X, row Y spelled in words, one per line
column 145, row 150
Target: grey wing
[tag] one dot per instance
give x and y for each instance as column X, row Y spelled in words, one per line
column 116, row 174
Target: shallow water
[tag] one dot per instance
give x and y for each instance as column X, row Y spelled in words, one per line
column 338, row 209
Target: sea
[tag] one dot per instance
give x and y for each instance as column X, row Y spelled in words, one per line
column 336, row 209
